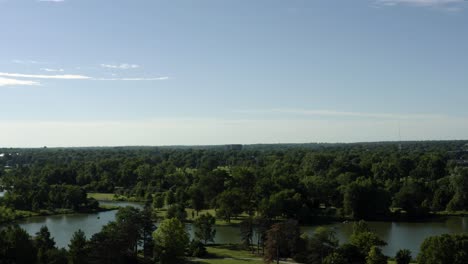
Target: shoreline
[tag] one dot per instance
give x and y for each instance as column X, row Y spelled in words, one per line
column 21, row 215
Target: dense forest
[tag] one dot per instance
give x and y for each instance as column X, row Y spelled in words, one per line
column 303, row 182
column 268, row 189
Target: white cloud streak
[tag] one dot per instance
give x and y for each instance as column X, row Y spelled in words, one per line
column 9, row 81
column 26, row 62
column 41, row 76
column 122, row 66
column 163, row 78
column 15, row 82
column 52, row 70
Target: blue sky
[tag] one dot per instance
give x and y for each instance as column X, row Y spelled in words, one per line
column 154, row 72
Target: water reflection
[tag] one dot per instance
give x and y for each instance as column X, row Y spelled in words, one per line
column 398, row 235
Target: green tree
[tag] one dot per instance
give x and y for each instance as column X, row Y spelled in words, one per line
column 78, row 248
column 375, row 256
column 204, row 228
column 147, row 228
column 246, row 231
column 410, row 198
column 459, row 183
column 364, row 239
column 444, row 249
column 176, row 211
column 170, row 197
column 16, row 246
column 403, row 256
column 321, row 244
column 282, row 240
column 364, row 199
column 335, row 258
column 109, row 246
column 158, row 201
column 129, row 222
column 197, row 199
column 171, row 241
column 197, row 249
column 44, row 243
column 229, row 204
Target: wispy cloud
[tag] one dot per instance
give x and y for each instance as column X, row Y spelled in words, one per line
column 446, row 4
column 26, row 62
column 52, row 70
column 122, row 66
column 332, row 113
column 41, row 76
column 15, row 82
column 134, row 79
column 8, row 81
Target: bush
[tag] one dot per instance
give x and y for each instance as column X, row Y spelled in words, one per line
column 197, row 249
column 403, row 256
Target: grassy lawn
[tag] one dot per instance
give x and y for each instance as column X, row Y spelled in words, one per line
column 228, row 261
column 455, row 213
column 229, row 254
column 110, row 197
column 102, row 196
column 230, row 251
column 234, row 221
column 192, row 215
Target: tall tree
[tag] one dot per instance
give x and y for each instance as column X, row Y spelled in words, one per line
column 44, row 244
column 171, row 240
column 78, row 248
column 204, row 228
column 375, row 256
column 403, row 256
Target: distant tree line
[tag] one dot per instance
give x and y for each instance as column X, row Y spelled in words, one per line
column 303, row 182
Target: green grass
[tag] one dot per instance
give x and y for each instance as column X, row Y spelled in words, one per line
column 232, row 254
column 394, row 262
column 229, row 254
column 111, row 197
column 230, row 251
column 192, row 215
column 102, row 196
column 454, row 213
column 228, row 261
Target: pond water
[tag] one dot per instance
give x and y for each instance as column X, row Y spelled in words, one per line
column 62, row 227
column 397, row 234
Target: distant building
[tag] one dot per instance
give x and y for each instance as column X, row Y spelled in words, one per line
column 233, row 147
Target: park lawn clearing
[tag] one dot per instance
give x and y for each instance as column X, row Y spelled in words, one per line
column 228, row 254
column 230, row 251
column 228, row 261
column 102, row 196
column 110, row 197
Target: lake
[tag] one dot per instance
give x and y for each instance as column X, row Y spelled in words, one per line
column 397, row 234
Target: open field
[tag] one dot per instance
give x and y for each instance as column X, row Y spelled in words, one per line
column 231, row 254
column 228, row 254
column 103, row 196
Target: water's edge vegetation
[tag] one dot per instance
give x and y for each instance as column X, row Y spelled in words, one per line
column 259, row 189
